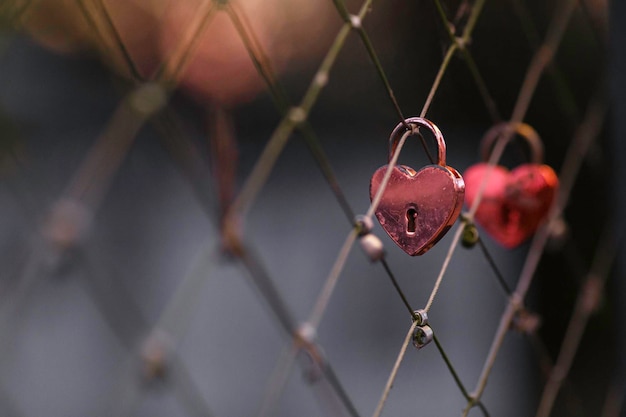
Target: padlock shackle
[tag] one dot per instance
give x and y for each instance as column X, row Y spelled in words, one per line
column 505, row 131
column 414, row 123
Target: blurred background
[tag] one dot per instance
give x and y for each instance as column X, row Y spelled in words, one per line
column 117, row 294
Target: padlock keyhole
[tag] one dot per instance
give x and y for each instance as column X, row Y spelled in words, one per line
column 411, row 216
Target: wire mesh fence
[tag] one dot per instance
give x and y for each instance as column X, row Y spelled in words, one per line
column 167, row 256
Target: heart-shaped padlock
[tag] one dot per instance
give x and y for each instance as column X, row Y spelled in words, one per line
column 418, row 208
column 514, row 203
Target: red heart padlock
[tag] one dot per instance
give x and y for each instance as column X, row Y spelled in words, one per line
column 418, row 208
column 514, row 203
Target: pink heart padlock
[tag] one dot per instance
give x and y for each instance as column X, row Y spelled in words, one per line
column 417, row 208
column 514, row 203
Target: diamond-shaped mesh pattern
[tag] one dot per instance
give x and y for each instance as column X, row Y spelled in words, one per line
column 158, row 265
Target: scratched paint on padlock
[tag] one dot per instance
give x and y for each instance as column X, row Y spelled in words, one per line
column 418, row 208
column 435, row 193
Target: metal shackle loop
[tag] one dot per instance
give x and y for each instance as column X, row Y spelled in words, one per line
column 414, row 123
column 506, row 131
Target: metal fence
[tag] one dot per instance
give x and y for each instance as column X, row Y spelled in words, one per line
column 149, row 270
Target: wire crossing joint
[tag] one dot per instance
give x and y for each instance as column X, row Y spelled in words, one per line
column 420, row 317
